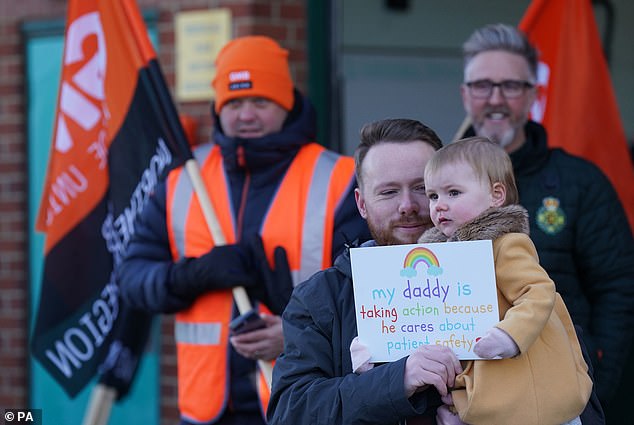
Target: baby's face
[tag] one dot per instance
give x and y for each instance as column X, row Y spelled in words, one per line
column 456, row 196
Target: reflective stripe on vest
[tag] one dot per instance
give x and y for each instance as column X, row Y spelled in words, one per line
column 197, row 333
column 312, row 257
column 300, row 218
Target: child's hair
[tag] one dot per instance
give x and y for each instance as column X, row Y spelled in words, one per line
column 488, row 160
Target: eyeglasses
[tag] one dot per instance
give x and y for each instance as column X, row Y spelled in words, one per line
column 510, row 89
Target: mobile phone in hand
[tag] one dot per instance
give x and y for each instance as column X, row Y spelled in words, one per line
column 247, row 322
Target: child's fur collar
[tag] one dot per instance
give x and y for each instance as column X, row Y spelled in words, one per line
column 491, row 224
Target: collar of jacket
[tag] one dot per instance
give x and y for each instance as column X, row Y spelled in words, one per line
column 254, row 154
column 491, row 224
column 342, row 262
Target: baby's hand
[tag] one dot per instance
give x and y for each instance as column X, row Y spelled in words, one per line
column 445, row 416
column 447, row 399
column 496, row 344
column 360, row 356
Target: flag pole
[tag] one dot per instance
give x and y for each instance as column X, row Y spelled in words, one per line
column 100, row 404
column 461, row 130
column 239, row 293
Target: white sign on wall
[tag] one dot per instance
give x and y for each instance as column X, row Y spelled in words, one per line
column 199, row 36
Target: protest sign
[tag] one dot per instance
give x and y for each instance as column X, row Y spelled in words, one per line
column 407, row 296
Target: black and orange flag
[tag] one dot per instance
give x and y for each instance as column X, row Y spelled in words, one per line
column 576, row 103
column 116, row 134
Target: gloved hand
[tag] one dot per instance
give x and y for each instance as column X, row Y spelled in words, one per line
column 277, row 281
column 360, row 356
column 222, row 267
column 496, row 343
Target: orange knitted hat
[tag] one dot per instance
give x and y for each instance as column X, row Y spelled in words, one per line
column 253, row 66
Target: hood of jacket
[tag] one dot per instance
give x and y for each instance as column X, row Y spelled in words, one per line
column 259, row 153
column 491, row 224
column 342, row 262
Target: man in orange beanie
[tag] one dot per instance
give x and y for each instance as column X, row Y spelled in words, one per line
column 286, row 206
column 254, row 66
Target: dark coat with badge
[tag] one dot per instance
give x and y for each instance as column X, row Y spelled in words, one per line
column 585, row 244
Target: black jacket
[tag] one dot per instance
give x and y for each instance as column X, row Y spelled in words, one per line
column 585, row 244
column 313, row 382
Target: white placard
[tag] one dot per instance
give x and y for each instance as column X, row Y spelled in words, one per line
column 412, row 295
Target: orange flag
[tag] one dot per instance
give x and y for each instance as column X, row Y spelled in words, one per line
column 576, row 101
column 117, row 133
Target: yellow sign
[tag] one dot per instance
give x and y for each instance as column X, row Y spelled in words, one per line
column 199, row 37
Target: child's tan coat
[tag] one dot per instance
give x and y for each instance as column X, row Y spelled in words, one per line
column 547, row 383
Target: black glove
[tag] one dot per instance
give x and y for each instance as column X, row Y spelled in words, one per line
column 223, row 267
column 278, row 283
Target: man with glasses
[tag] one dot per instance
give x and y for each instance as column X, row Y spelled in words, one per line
column 577, row 222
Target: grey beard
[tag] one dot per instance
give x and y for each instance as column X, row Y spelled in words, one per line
column 503, row 140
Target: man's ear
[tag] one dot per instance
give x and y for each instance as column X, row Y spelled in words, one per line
column 498, row 194
column 358, row 197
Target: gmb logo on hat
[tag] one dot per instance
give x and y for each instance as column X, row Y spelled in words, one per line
column 240, row 80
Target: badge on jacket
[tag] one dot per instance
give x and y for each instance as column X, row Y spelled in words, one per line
column 550, row 218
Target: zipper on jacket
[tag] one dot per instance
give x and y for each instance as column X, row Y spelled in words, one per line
column 243, row 204
column 242, row 163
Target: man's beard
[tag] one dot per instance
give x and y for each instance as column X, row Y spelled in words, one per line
column 384, row 235
column 503, row 140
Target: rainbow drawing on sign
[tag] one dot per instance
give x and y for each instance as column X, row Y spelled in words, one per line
column 420, row 255
column 417, row 256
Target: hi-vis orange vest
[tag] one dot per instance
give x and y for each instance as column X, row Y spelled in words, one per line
column 300, row 218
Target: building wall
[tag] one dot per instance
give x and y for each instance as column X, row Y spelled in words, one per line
column 412, row 67
column 283, row 20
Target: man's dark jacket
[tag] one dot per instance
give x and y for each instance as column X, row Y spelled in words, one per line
column 313, row 381
column 585, row 244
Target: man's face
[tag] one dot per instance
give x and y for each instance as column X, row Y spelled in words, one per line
column 392, row 193
column 496, row 117
column 251, row 117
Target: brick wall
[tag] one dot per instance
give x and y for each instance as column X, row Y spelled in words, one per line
column 283, row 20
column 13, row 218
